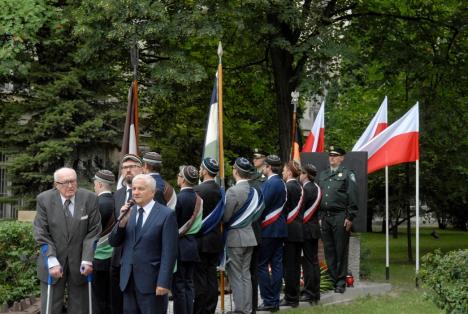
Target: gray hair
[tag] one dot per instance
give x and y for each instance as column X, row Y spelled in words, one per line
column 60, row 171
column 149, row 180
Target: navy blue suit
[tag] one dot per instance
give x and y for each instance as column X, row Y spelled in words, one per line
column 148, row 260
column 273, row 235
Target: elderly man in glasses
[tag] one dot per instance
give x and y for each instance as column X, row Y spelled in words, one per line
column 66, row 226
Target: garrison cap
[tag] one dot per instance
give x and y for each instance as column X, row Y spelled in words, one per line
column 152, row 158
column 105, row 176
column 211, row 165
column 189, row 173
column 273, row 160
column 336, row 151
column 243, row 164
column 132, row 157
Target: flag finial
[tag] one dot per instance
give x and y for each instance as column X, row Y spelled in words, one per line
column 220, row 51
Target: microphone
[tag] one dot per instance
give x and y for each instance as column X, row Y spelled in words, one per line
column 130, row 203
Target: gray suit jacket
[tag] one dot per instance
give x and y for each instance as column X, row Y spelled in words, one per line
column 69, row 246
column 235, row 199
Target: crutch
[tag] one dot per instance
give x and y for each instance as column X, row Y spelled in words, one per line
column 90, row 279
column 44, row 248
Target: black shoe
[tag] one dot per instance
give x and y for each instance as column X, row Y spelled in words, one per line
column 285, row 302
column 306, row 298
column 268, row 308
column 340, row 289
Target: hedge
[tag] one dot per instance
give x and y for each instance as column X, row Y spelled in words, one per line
column 17, row 262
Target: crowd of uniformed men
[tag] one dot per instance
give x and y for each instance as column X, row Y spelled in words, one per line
column 150, row 241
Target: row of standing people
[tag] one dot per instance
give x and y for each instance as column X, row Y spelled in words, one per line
column 194, row 284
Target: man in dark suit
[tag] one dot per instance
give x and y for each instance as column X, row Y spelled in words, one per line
column 188, row 209
column 165, row 194
column 310, row 263
column 66, row 226
column 131, row 165
column 210, row 245
column 274, row 231
column 103, row 181
column 148, row 235
column 293, row 243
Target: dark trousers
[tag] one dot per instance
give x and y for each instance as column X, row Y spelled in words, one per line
column 116, row 293
column 335, row 243
column 138, row 303
column 311, row 269
column 205, row 281
column 292, row 270
column 101, row 292
column 271, row 254
column 182, row 288
column 254, row 277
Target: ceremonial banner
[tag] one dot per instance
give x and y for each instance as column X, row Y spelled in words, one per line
column 377, row 125
column 397, row 144
column 315, row 142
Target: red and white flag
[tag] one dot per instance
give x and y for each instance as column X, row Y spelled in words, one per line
column 130, row 136
column 315, row 141
column 377, row 125
column 397, row 144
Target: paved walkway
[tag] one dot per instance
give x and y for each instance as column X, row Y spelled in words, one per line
column 363, row 288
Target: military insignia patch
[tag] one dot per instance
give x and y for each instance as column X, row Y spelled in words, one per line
column 340, row 174
column 352, row 177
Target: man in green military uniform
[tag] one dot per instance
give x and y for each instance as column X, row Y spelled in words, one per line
column 338, row 208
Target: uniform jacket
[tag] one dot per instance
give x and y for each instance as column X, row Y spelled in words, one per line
column 210, row 192
column 69, row 246
column 236, row 196
column 188, row 247
column 295, row 232
column 119, row 200
column 152, row 255
column 311, row 228
column 339, row 191
column 274, row 196
column 160, row 188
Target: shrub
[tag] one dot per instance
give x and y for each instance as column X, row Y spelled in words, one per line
column 17, row 262
column 446, row 275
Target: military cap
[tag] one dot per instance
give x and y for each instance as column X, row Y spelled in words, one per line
column 273, row 160
column 258, row 153
column 243, row 164
column 211, row 165
column 152, row 158
column 105, row 176
column 189, row 173
column 132, row 157
column 336, row 151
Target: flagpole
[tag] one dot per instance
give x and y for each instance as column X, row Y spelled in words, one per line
column 221, row 146
column 387, row 245
column 295, row 97
column 417, row 222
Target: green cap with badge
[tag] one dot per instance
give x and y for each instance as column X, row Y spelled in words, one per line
column 336, row 151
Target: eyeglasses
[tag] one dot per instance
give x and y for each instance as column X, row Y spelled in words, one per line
column 67, row 183
column 130, row 167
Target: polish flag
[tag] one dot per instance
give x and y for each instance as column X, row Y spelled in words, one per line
column 377, row 125
column 397, row 144
column 315, row 142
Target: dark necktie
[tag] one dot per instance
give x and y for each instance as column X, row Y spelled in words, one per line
column 139, row 221
column 66, row 208
column 129, row 195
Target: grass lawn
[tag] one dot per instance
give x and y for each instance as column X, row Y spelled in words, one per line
column 404, row 298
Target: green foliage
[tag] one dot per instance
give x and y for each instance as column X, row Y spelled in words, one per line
column 446, row 275
column 17, row 262
column 326, row 284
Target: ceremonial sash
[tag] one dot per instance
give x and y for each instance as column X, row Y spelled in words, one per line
column 193, row 225
column 293, row 213
column 246, row 214
column 213, row 219
column 275, row 214
column 312, row 209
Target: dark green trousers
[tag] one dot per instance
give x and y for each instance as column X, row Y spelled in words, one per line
column 335, row 244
